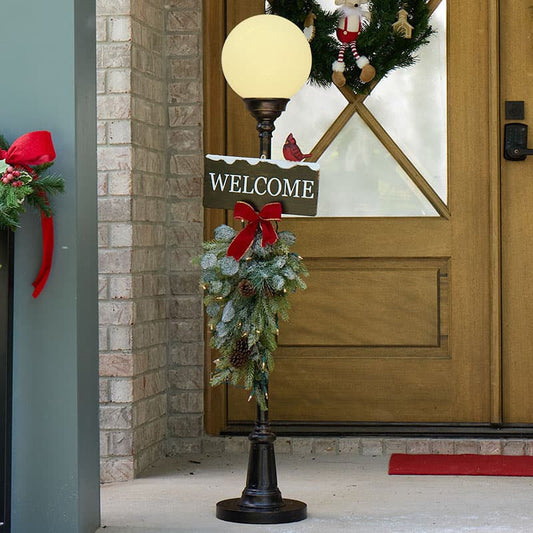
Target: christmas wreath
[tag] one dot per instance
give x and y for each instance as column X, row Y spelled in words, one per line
column 393, row 32
column 21, row 178
column 22, row 183
column 247, row 278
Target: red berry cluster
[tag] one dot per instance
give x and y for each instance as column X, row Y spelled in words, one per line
column 10, row 177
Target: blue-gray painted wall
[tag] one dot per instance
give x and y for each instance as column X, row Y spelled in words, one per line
column 48, row 71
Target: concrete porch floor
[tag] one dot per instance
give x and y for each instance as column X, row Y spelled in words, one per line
column 343, row 494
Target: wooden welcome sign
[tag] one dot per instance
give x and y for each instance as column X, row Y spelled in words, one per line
column 259, row 182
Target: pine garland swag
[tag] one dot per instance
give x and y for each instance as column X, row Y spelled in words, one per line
column 244, row 323
column 385, row 49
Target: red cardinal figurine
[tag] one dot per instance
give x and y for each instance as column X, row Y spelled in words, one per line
column 291, row 151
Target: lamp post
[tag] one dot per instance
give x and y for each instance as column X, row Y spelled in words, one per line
column 266, row 59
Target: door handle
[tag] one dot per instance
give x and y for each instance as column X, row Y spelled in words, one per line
column 515, row 142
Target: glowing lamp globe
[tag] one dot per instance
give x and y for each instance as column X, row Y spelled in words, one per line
column 266, row 56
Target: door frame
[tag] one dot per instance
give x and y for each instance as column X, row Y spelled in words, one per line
column 6, row 357
column 216, row 98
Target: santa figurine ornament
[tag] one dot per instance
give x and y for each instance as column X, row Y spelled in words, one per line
column 348, row 31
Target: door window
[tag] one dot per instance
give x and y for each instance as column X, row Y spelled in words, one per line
column 389, row 155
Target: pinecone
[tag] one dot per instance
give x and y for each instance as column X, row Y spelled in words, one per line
column 246, row 289
column 242, row 353
column 269, row 291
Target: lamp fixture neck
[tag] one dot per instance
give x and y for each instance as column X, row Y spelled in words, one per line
column 265, row 111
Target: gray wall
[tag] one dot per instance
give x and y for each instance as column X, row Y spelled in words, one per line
column 48, row 82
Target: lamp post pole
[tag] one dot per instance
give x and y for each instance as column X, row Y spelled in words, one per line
column 265, row 80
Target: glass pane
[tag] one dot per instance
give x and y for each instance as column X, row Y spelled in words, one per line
column 359, row 178
column 411, row 105
column 310, row 112
column 358, row 175
column 308, row 116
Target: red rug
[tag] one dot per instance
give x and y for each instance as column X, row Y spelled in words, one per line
column 461, row 465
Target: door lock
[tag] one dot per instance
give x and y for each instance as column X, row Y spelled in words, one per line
column 515, row 142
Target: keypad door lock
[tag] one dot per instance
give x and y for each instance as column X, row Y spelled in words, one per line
column 515, row 142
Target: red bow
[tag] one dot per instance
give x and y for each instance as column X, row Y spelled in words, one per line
column 242, row 242
column 36, row 148
column 31, row 149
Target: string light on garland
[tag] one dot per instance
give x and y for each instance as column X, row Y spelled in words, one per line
column 385, row 46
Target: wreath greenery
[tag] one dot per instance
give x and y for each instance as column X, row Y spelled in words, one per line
column 386, row 49
column 19, row 185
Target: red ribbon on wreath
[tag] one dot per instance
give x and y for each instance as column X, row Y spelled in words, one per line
column 244, row 239
column 36, row 148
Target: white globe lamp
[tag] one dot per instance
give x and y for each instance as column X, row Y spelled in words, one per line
column 266, row 59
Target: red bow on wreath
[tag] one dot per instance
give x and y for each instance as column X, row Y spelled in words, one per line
column 36, row 148
column 245, row 237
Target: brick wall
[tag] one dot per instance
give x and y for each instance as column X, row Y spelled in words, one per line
column 133, row 219
column 185, row 232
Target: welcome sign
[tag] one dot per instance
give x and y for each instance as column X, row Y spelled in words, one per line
column 259, row 182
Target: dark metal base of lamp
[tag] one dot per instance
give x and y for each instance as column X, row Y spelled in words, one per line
column 290, row 511
column 261, row 501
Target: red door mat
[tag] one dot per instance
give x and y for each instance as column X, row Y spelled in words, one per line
column 460, row 465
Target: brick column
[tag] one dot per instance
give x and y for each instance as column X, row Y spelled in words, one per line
column 185, row 232
column 132, row 214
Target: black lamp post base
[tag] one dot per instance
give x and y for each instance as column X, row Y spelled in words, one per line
column 289, row 511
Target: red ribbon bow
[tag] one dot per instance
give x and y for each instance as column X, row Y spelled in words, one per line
column 36, row 148
column 244, row 239
column 31, row 149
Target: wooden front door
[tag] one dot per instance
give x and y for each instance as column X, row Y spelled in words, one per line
column 401, row 321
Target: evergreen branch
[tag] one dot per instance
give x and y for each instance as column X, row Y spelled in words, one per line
column 271, row 272
column 50, row 184
column 39, row 169
column 8, row 220
column 39, row 202
column 4, row 145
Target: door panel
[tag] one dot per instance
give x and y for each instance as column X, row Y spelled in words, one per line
column 396, row 324
column 410, row 287
column 517, row 219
